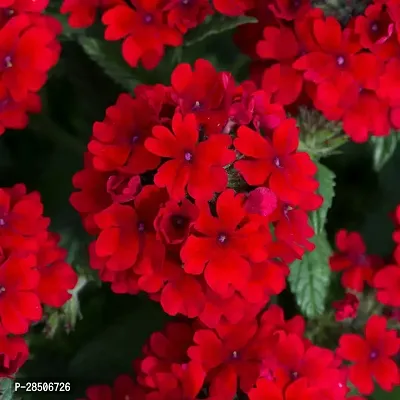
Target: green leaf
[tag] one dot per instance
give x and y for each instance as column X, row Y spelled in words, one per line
column 113, row 351
column 310, row 277
column 6, row 389
column 380, row 394
column 326, row 179
column 215, row 25
column 108, row 56
column 383, row 149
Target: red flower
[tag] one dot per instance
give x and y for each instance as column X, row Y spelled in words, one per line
column 123, row 189
column 372, row 356
column 145, row 31
column 352, row 259
column 174, row 221
column 123, row 389
column 22, row 225
column 290, row 9
column 298, row 390
column 183, row 382
column 187, row 14
column 289, row 173
column 13, row 114
column 337, row 51
column 224, row 245
column 296, row 359
column 199, row 166
column 228, row 355
column 261, row 201
column 19, row 302
column 346, row 308
column 233, row 8
column 119, row 236
column 387, row 285
column 377, row 31
column 28, row 52
column 56, row 276
column 183, row 294
column 200, row 91
column 13, row 354
column 118, row 141
column 83, row 13
column 92, row 196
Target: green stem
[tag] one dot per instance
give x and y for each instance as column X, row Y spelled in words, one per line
column 45, row 127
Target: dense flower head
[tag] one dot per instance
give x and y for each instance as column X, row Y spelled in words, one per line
column 156, row 192
column 372, row 356
column 33, row 272
column 351, row 259
column 264, row 357
column 347, row 71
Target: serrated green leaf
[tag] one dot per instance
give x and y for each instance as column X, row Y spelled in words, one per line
column 108, row 57
column 383, row 149
column 326, row 179
column 6, row 389
column 215, row 25
column 309, row 278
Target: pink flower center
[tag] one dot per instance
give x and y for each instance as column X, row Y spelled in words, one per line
column 8, row 62
column 277, row 162
column 141, row 227
column 147, row 18
column 340, row 60
column 188, row 156
column 222, row 238
column 2, row 289
column 294, row 375
column 374, row 26
column 373, row 355
column 185, row 2
column 196, row 106
column 134, row 139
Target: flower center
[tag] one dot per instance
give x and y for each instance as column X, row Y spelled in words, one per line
column 188, row 156
column 8, row 62
column 2, row 289
column 134, row 139
column 141, row 227
column 374, row 26
column 178, row 221
column 373, row 355
column 294, row 375
column 340, row 60
column 2, row 222
column 277, row 162
column 148, row 18
column 222, row 238
column 196, row 106
column 185, row 2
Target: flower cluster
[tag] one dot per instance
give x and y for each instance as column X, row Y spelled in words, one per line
column 146, row 27
column 349, row 73
column 265, row 358
column 32, row 272
column 29, row 49
column 183, row 186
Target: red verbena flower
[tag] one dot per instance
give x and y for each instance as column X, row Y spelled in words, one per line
column 233, row 8
column 144, row 30
column 289, row 173
column 224, row 246
column 187, row 14
column 197, row 165
column 57, row 277
column 372, row 356
column 347, row 307
column 13, row 354
column 357, row 266
column 387, row 284
column 19, row 301
column 118, row 142
column 28, row 51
